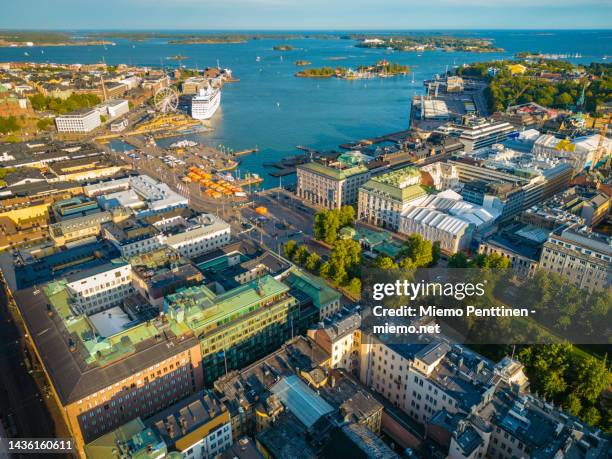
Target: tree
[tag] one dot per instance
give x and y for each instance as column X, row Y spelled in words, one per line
column 300, row 255
column 384, row 262
column 326, row 225
column 573, row 404
column 354, row 286
column 564, row 100
column 591, row 415
column 313, row 262
column 435, row 253
column 347, row 216
column 288, row 248
column 418, row 250
column 592, row 377
column 458, row 260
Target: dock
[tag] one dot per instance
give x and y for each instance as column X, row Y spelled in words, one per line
column 248, row 151
column 391, row 137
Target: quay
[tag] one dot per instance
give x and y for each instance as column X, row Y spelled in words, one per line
column 246, row 152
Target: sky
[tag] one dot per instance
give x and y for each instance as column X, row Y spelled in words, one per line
column 306, row 14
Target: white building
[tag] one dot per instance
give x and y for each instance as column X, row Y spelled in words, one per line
column 582, row 152
column 194, row 238
column 584, row 257
column 132, row 237
column 142, row 193
column 383, row 198
column 330, row 186
column 340, row 336
column 117, row 107
column 440, row 175
column 479, row 133
column 447, row 219
column 100, row 288
column 85, row 120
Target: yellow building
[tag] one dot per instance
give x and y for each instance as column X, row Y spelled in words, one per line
column 517, row 69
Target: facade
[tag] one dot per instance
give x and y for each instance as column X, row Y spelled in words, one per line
column 106, row 381
column 100, row 288
column 198, row 427
column 330, row 186
column 520, row 243
column 263, row 315
column 78, row 122
column 447, row 219
column 583, row 152
column 509, row 181
column 340, row 336
column 117, row 107
column 385, row 197
column 132, row 236
column 583, row 257
column 440, row 175
column 204, row 234
column 478, row 133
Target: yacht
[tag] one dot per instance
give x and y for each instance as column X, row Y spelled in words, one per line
column 205, row 103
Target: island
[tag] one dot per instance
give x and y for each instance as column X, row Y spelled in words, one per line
column 16, row 39
column 302, row 63
column 382, row 69
column 427, row 43
column 282, row 48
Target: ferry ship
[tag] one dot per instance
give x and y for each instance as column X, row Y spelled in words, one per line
column 205, row 103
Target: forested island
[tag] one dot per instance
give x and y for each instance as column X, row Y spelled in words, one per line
column 283, row 48
column 427, row 43
column 46, row 38
column 381, row 69
column 550, row 83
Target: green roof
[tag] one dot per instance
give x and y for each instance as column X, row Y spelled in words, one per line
column 198, row 307
column 142, row 442
column 400, row 194
column 332, row 172
column 394, row 184
column 395, row 178
column 314, row 287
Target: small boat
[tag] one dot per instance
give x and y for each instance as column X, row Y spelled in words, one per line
column 257, row 59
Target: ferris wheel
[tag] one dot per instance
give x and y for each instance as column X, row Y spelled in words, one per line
column 166, row 100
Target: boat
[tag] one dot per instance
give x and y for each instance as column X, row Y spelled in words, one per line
column 205, row 103
column 257, row 59
column 184, row 144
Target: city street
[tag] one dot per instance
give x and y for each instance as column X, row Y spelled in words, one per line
column 22, row 407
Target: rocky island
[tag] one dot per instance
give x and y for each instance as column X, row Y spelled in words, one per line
column 427, row 43
column 382, row 69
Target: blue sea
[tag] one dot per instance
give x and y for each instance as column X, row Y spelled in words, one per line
column 272, row 109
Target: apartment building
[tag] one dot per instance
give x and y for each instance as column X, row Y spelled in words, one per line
column 340, row 336
column 383, row 198
column 580, row 255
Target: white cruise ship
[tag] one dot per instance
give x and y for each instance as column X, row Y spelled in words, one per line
column 205, row 103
